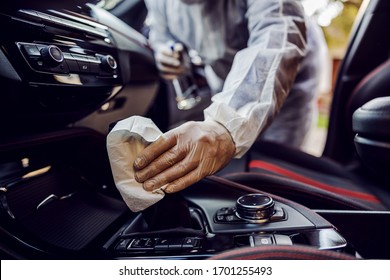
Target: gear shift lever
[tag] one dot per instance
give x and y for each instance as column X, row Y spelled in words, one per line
column 170, row 212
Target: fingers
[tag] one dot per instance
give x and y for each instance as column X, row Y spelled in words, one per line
column 170, row 72
column 168, row 59
column 154, row 150
column 181, row 163
column 168, row 77
column 165, row 161
column 184, row 181
column 171, row 174
column 169, row 63
column 183, row 156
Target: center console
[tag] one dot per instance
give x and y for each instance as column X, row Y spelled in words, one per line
column 58, row 200
column 224, row 216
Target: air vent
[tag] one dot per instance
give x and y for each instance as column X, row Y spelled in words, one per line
column 69, row 21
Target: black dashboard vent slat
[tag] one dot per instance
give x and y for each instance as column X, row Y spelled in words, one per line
column 73, row 22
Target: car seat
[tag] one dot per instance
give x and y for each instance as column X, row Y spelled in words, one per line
column 320, row 182
column 279, row 252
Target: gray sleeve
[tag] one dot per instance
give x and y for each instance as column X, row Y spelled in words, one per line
column 159, row 31
column 263, row 73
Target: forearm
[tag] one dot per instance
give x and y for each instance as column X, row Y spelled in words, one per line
column 262, row 74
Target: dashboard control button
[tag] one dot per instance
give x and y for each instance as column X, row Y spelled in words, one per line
column 31, row 50
column 108, row 63
column 84, row 66
column 52, row 55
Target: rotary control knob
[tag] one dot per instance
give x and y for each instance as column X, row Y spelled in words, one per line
column 108, row 63
column 52, row 55
column 255, row 208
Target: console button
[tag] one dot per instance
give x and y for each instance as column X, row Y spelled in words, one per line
column 283, row 239
column 263, row 240
column 31, row 50
column 220, row 218
column 227, row 215
column 232, row 218
column 122, row 245
column 190, row 243
column 225, row 211
column 278, row 214
column 162, row 244
column 39, row 65
column 138, row 244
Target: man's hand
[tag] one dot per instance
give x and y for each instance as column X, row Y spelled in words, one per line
column 169, row 62
column 184, row 155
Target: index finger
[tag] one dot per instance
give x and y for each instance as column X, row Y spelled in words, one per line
column 154, row 150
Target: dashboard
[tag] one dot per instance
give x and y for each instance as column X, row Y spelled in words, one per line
column 60, row 65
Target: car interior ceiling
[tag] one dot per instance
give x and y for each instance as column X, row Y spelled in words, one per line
column 58, row 199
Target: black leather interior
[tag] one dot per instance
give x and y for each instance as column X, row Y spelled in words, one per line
column 281, row 253
column 372, row 120
column 375, row 84
column 319, row 182
column 372, row 140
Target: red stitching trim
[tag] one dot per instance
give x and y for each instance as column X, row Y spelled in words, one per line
column 303, row 179
column 280, row 252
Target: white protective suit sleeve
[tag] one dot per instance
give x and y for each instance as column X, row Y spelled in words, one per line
column 159, row 34
column 263, row 73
